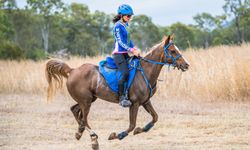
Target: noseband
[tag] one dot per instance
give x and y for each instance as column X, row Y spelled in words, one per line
column 167, row 55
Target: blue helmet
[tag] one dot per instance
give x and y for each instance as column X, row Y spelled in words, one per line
column 125, row 9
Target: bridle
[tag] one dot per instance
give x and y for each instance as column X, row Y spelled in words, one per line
column 167, row 55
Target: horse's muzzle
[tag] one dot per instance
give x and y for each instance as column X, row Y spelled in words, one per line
column 183, row 66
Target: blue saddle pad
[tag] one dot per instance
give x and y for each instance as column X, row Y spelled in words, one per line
column 110, row 63
column 110, row 73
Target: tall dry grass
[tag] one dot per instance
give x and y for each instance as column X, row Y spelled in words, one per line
column 219, row 73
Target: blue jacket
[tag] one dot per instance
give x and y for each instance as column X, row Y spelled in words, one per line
column 122, row 43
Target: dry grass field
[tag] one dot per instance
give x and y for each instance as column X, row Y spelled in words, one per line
column 207, row 107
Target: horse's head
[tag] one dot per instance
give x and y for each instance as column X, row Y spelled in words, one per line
column 172, row 54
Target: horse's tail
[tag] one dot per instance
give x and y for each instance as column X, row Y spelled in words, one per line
column 55, row 71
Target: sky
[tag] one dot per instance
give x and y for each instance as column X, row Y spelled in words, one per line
column 162, row 12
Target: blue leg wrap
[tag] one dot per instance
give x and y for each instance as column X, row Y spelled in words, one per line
column 122, row 135
column 148, row 127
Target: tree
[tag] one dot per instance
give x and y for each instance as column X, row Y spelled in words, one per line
column 144, row 32
column 8, row 49
column 184, row 35
column 25, row 26
column 207, row 23
column 81, row 39
column 8, row 4
column 102, row 31
column 239, row 9
column 164, row 30
column 45, row 8
column 6, row 32
column 245, row 23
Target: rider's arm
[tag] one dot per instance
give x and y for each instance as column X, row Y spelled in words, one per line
column 131, row 44
column 119, row 39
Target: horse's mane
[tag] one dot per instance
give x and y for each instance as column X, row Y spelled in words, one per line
column 153, row 48
column 150, row 52
column 164, row 39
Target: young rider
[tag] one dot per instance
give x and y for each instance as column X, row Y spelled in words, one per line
column 122, row 46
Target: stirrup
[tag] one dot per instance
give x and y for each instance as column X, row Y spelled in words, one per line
column 124, row 101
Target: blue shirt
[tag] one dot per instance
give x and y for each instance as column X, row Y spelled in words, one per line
column 122, row 43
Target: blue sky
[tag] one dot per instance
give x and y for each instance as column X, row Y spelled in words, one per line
column 162, row 12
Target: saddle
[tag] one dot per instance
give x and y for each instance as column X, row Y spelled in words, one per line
column 109, row 71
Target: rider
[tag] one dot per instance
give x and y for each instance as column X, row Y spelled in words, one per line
column 122, row 46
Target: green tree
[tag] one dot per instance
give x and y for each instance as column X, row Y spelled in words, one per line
column 27, row 31
column 207, row 23
column 240, row 10
column 8, row 4
column 144, row 32
column 58, row 34
column 8, row 49
column 245, row 23
column 6, row 32
column 197, row 37
column 80, row 37
column 45, row 8
column 164, row 30
column 184, row 35
column 102, row 31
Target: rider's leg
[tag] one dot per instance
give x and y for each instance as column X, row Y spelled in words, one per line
column 120, row 60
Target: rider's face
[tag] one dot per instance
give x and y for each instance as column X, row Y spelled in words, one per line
column 127, row 18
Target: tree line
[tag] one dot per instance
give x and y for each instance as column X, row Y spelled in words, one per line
column 45, row 27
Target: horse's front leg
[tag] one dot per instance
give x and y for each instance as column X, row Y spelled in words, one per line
column 133, row 110
column 150, row 109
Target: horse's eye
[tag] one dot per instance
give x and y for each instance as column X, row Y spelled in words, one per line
column 173, row 52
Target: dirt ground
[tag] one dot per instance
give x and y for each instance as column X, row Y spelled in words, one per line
column 28, row 122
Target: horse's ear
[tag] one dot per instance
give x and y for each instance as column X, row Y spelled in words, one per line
column 166, row 39
column 172, row 36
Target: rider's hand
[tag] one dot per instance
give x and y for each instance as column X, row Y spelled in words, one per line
column 136, row 52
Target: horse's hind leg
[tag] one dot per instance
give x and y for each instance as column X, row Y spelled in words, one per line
column 76, row 110
column 150, row 109
column 85, row 107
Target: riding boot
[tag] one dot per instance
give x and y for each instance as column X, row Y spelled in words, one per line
column 123, row 99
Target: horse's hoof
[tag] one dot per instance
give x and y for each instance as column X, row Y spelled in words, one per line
column 78, row 135
column 95, row 144
column 112, row 136
column 138, row 130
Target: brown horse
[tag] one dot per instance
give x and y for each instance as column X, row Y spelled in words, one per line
column 85, row 84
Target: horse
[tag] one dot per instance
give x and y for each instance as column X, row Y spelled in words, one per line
column 85, row 84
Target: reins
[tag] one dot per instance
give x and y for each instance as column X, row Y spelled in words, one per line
column 167, row 55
